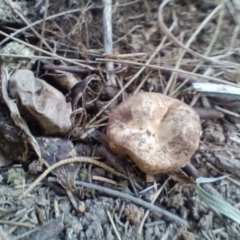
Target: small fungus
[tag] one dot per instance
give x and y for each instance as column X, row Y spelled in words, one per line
column 159, row 133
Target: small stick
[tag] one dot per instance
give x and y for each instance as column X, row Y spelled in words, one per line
column 155, row 209
column 11, row 5
column 189, row 42
column 17, row 223
column 113, row 225
column 157, row 67
column 56, row 208
column 208, row 113
column 135, row 76
column 191, row 171
column 67, row 161
column 11, row 230
column 42, row 33
column 178, row 43
column 153, row 201
column 103, row 179
column 227, row 112
column 135, row 200
column 45, row 52
column 108, row 43
column 22, row 30
column 26, row 234
column 4, row 235
column 72, row 200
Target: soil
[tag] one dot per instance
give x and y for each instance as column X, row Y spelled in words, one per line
column 47, row 213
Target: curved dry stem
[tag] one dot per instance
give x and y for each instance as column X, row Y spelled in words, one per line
column 209, row 48
column 22, row 30
column 169, row 69
column 178, row 43
column 68, row 161
column 45, row 52
column 189, row 42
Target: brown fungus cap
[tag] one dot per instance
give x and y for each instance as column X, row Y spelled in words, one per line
column 159, row 133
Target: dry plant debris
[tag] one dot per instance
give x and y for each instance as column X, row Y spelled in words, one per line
column 148, row 46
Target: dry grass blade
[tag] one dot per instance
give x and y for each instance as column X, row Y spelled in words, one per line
column 27, row 225
column 194, row 35
column 170, row 70
column 10, row 3
column 132, row 79
column 68, row 161
column 42, row 33
column 114, row 226
column 178, row 43
column 46, row 52
column 209, row 48
column 4, row 235
column 153, row 201
column 39, row 21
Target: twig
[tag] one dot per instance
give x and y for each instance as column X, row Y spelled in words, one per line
column 67, row 161
column 11, row 230
column 209, row 48
column 114, row 226
column 39, row 21
column 153, row 201
column 233, row 40
column 128, row 33
column 169, row 69
column 126, row 55
column 56, row 208
column 208, row 113
column 42, row 33
column 227, row 112
column 108, row 43
column 151, row 224
column 233, row 11
column 189, row 42
column 46, row 52
column 4, row 235
column 142, row 82
column 217, row 90
column 103, row 179
column 138, row 201
column 72, row 69
column 26, row 234
column 165, row 236
column 132, row 79
column 178, row 43
column 17, row 223
column 9, row 2
column 132, row 183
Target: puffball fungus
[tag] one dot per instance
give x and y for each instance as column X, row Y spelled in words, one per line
column 159, row 133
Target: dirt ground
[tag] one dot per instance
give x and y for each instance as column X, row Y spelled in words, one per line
column 47, row 212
